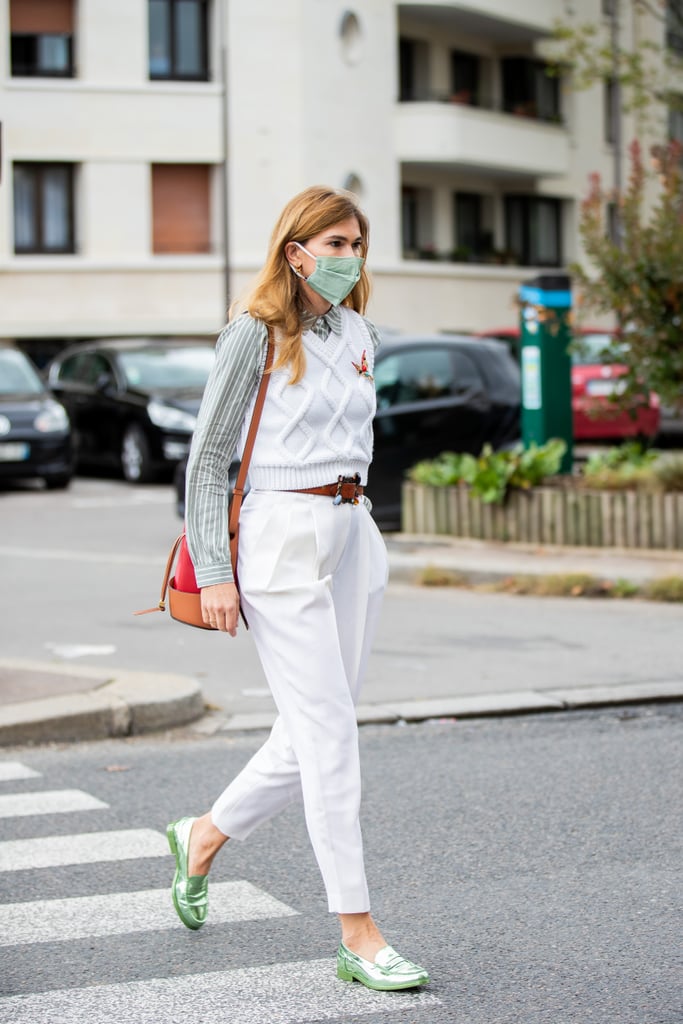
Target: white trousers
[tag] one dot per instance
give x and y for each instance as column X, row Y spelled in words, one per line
column 312, row 576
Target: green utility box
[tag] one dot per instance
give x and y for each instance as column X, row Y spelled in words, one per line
column 545, row 303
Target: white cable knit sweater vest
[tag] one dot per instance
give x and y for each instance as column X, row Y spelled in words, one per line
column 313, row 431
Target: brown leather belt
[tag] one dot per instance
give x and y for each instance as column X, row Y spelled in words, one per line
column 347, row 489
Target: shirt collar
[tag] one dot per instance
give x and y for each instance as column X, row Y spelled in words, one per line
column 328, row 323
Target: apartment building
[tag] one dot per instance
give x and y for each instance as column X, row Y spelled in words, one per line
column 143, row 140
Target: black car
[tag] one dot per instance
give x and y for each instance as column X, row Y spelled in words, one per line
column 35, row 435
column 133, row 402
column 434, row 393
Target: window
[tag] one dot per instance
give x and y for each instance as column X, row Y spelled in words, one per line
column 528, row 89
column 532, row 225
column 465, row 78
column 416, row 223
column 41, row 38
column 43, row 208
column 610, row 112
column 471, row 241
column 181, row 208
column 676, row 120
column 674, row 25
column 608, row 8
column 178, row 40
column 85, row 368
column 414, row 376
column 413, row 65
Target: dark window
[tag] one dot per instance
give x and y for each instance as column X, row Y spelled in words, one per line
column 413, row 70
column 472, row 241
column 528, row 89
column 46, row 56
column 465, row 78
column 674, row 25
column 608, row 8
column 43, row 208
column 610, row 126
column 41, row 41
column 533, row 230
column 414, row 376
column 178, row 40
column 676, row 120
column 409, row 214
column 85, row 368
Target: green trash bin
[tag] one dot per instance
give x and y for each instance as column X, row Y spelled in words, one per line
column 545, row 337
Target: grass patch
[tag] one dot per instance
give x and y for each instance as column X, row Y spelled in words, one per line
column 432, row 576
column 668, row 588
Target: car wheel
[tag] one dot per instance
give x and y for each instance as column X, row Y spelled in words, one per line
column 136, row 459
column 57, row 481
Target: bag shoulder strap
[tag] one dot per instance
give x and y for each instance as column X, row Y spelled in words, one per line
column 238, row 492
column 167, row 575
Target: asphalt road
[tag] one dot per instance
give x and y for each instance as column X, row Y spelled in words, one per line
column 78, row 563
column 532, row 864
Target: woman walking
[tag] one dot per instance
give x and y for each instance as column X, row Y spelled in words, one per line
column 312, row 564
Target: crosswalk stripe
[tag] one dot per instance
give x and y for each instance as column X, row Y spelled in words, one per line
column 55, row 801
column 286, row 993
column 85, row 848
column 11, row 770
column 118, row 913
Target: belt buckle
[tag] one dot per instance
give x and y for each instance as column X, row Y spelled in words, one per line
column 343, row 481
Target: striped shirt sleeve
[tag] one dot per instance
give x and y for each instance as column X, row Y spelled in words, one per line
column 240, row 357
column 375, row 336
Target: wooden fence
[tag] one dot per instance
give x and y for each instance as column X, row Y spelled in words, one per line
column 548, row 515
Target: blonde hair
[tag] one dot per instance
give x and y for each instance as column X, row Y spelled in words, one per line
column 275, row 298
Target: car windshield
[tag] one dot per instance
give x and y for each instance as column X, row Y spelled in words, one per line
column 17, row 376
column 167, row 368
column 589, row 349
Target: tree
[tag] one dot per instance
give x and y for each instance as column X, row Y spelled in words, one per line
column 641, row 279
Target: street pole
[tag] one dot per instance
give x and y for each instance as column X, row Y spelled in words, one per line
column 225, row 177
column 617, row 132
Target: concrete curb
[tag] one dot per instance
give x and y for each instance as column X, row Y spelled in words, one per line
column 491, row 561
column 485, row 705
column 122, row 704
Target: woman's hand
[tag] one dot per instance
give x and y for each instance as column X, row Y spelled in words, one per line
column 221, row 606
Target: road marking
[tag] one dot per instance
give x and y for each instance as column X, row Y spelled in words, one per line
column 80, row 650
column 11, row 770
column 289, row 993
column 121, row 913
column 55, row 801
column 85, row 848
column 59, row 555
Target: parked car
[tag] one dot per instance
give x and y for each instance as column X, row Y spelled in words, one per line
column 133, row 402
column 596, row 417
column 434, row 393
column 35, row 434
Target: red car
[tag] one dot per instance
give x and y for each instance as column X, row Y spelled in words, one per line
column 595, row 416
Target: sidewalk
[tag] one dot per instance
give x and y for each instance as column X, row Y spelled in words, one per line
column 54, row 702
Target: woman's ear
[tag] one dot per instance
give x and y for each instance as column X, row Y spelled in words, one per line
column 292, row 253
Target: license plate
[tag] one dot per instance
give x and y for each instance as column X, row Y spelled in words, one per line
column 14, row 452
column 603, row 388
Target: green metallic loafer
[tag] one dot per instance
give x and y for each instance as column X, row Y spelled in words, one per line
column 388, row 973
column 190, row 892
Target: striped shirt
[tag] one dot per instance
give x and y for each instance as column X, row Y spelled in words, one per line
column 240, row 361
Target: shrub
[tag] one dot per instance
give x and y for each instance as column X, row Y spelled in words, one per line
column 491, row 474
column 668, row 588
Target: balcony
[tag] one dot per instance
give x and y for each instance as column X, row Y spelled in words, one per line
column 484, row 141
column 497, row 20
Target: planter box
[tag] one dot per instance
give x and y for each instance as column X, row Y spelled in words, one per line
column 548, row 515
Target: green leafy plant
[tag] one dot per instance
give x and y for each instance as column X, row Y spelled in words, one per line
column 491, row 474
column 630, row 466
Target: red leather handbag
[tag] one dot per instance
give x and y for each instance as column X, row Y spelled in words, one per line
column 184, row 596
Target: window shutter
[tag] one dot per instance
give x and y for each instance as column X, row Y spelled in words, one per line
column 181, row 208
column 40, row 17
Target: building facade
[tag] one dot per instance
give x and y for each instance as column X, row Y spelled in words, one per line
column 144, row 139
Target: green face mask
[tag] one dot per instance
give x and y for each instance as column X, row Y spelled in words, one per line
column 334, row 276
